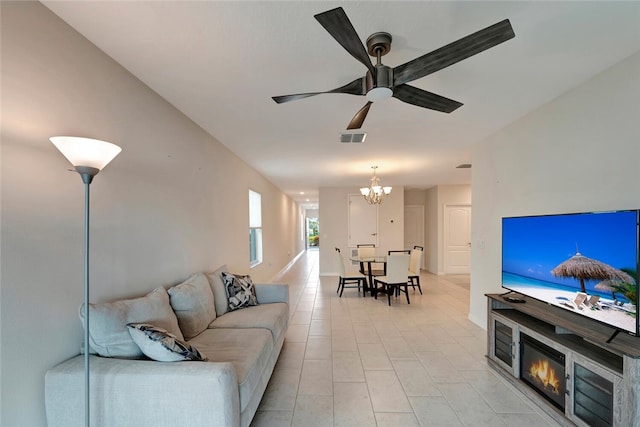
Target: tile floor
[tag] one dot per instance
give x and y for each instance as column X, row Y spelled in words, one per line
column 355, row 361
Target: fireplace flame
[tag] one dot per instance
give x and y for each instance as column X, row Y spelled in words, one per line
column 542, row 372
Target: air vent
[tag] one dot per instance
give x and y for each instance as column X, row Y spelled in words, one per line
column 464, row 166
column 355, row 138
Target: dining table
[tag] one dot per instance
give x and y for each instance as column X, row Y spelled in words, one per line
column 369, row 271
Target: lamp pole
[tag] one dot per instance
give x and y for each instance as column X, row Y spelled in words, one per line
column 87, row 177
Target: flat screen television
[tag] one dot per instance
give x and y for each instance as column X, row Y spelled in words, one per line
column 586, row 263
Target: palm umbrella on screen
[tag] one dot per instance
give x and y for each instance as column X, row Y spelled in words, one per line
column 582, row 267
column 608, row 285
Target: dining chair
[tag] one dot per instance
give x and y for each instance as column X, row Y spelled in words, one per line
column 400, row 251
column 367, row 250
column 396, row 279
column 352, row 278
column 415, row 263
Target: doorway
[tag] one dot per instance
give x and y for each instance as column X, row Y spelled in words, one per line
column 313, row 233
column 457, row 239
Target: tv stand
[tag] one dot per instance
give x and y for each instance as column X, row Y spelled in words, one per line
column 601, row 364
column 615, row 334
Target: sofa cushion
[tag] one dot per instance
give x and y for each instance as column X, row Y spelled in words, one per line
column 158, row 344
column 193, row 303
column 217, row 287
column 240, row 291
column 108, row 334
column 248, row 350
column 273, row 317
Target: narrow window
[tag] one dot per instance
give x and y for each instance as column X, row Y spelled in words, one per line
column 255, row 228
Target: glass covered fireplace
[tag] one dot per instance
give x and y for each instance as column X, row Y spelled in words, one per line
column 543, row 369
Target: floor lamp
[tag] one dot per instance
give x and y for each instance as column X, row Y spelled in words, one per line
column 88, row 157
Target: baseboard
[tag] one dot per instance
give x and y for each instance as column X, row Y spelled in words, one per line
column 481, row 322
column 286, row 267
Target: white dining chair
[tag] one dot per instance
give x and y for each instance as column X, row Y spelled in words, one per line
column 414, row 267
column 352, row 278
column 396, row 279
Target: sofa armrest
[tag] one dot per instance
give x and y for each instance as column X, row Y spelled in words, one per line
column 143, row 393
column 272, row 292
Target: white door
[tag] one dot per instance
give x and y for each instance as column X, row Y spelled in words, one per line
column 457, row 239
column 363, row 221
column 414, row 227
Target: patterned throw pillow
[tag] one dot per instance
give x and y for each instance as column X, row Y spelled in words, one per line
column 158, row 344
column 240, row 291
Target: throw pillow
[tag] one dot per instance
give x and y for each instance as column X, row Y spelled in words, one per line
column 217, row 287
column 193, row 303
column 108, row 335
column 240, row 291
column 158, row 344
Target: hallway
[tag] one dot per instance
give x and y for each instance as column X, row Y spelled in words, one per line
column 355, row 361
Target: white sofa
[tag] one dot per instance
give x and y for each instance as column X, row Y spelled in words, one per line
column 126, row 389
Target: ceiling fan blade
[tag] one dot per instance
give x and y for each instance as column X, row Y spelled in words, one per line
column 336, row 22
column 358, row 119
column 356, row 87
column 453, row 52
column 422, row 98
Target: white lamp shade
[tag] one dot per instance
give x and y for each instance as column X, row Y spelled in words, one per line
column 86, row 152
column 387, row 190
column 379, row 94
column 364, row 191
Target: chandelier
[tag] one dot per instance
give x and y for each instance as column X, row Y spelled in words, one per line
column 375, row 194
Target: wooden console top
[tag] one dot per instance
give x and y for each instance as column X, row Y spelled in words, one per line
column 591, row 330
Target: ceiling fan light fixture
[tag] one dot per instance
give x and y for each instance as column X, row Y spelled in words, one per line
column 379, row 94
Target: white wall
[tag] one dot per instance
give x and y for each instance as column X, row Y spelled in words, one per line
column 580, row 152
column 415, row 197
column 437, row 199
column 175, row 200
column 311, row 213
column 334, row 219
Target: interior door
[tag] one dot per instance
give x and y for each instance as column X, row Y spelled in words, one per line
column 414, row 228
column 363, row 221
column 457, row 239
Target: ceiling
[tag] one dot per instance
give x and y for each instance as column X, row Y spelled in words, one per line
column 221, row 62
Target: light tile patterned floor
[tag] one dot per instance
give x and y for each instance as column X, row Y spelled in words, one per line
column 355, row 361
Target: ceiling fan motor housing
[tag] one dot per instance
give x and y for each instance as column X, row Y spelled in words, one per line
column 383, row 77
column 378, row 45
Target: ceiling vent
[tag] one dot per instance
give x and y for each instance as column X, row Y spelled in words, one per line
column 352, row 137
column 464, row 166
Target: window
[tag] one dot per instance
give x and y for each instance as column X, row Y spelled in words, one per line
column 255, row 228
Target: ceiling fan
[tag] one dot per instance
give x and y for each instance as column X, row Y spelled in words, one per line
column 382, row 82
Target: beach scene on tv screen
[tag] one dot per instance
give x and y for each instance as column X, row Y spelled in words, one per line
column 585, row 263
